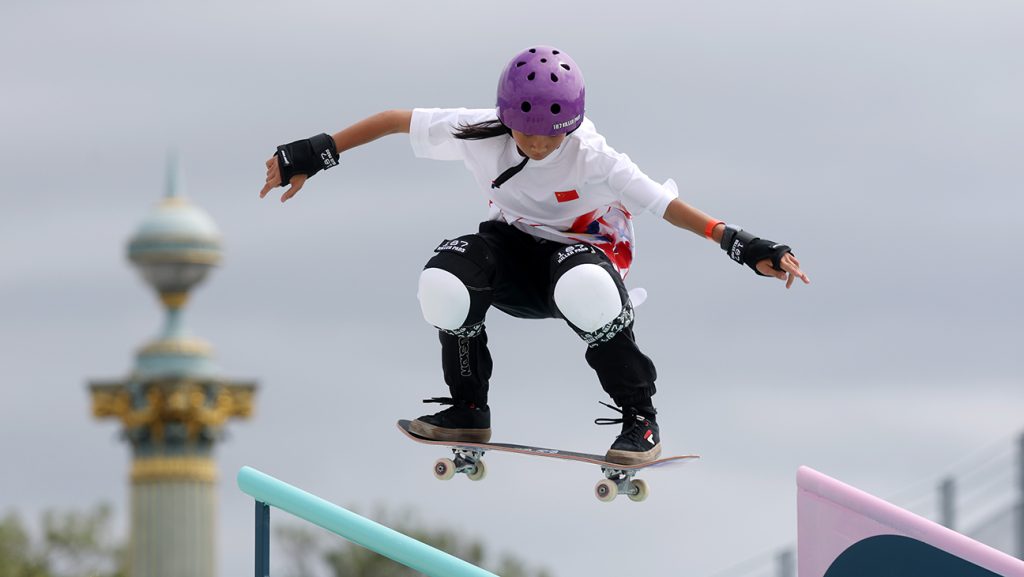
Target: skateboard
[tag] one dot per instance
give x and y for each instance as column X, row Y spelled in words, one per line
column 618, row 478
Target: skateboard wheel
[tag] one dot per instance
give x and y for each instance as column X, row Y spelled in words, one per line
column 606, row 490
column 641, row 490
column 444, row 469
column 478, row 473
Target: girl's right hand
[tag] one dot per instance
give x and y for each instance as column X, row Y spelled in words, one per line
column 274, row 180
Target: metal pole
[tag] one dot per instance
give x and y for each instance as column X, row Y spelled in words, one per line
column 262, row 539
column 947, row 503
column 786, row 563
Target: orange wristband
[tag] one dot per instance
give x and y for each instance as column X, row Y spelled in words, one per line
column 711, row 227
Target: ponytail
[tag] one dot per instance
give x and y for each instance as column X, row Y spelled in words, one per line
column 481, row 130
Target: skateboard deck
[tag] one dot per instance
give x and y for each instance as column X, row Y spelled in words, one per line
column 619, row 478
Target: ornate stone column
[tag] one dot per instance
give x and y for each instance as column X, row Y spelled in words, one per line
column 174, row 404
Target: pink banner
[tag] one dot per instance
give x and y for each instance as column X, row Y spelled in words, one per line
column 843, row 531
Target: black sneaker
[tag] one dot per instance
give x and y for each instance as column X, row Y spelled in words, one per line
column 638, row 442
column 461, row 421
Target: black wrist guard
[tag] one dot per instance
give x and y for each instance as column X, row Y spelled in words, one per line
column 308, row 156
column 745, row 248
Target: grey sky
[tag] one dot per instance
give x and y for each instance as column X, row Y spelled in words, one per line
column 881, row 139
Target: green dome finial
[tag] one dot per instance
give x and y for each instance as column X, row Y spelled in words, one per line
column 176, row 245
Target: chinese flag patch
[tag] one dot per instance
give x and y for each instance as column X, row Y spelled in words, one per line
column 566, row 195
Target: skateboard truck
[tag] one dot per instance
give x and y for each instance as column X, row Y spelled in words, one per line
column 616, row 482
column 468, row 461
column 620, row 481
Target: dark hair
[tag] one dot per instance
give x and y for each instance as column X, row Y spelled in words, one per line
column 481, row 130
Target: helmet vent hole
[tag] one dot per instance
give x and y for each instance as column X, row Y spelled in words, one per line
column 553, row 77
column 555, row 108
column 525, row 106
column 566, row 66
column 518, row 64
column 533, row 51
column 531, row 76
column 554, row 52
column 544, row 60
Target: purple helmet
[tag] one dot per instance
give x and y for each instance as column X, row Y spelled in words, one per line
column 541, row 92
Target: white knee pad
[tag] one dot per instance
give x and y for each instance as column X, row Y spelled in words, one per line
column 444, row 300
column 587, row 297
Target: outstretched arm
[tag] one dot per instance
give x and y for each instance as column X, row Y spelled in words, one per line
column 687, row 217
column 362, row 132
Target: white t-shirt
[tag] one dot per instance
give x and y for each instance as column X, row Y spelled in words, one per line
column 584, row 191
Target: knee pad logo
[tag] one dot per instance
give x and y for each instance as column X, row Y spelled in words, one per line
column 456, row 245
column 573, row 250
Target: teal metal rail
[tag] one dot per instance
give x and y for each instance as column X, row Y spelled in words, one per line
column 271, row 492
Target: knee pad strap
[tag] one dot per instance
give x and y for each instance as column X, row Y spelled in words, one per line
column 609, row 331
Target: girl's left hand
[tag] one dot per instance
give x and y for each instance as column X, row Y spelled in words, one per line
column 790, row 269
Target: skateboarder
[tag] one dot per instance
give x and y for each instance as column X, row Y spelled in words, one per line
column 557, row 242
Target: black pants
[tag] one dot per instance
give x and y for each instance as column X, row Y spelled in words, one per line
column 516, row 273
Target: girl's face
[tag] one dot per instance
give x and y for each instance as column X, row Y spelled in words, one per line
column 537, row 147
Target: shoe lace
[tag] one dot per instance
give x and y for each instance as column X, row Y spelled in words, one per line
column 631, row 420
column 452, row 402
column 606, row 421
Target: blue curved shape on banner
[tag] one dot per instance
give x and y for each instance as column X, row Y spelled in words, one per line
column 899, row 556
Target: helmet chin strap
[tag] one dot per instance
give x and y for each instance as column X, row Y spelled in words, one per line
column 514, row 170
column 510, row 172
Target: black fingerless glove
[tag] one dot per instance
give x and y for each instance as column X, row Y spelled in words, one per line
column 745, row 248
column 308, row 156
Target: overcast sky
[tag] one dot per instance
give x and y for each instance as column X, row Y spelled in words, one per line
column 880, row 139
